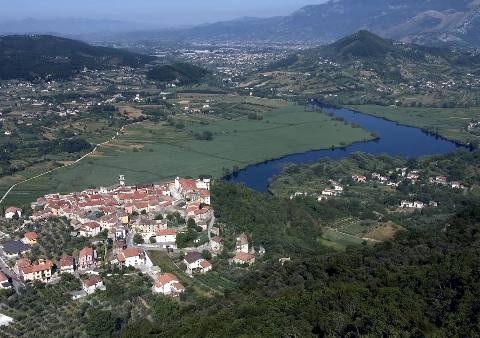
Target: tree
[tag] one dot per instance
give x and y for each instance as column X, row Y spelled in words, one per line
column 206, row 254
column 191, row 224
column 102, row 323
column 153, row 240
column 138, row 239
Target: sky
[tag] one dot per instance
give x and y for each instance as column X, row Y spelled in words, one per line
column 160, row 12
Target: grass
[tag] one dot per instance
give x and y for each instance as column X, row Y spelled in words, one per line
column 150, row 152
column 450, row 123
column 340, row 238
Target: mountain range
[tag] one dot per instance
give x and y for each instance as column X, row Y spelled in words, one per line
column 419, row 21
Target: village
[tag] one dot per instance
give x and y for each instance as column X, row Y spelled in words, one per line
column 401, row 176
column 135, row 220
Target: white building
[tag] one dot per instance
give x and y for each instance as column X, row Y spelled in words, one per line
column 168, row 284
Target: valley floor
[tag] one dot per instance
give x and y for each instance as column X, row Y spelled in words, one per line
column 148, row 151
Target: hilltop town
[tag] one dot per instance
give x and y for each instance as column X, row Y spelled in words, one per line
column 119, row 225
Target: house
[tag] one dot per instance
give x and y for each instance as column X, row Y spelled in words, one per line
column 90, row 229
column 20, row 264
column 196, row 263
column 168, row 284
column 359, row 179
column 443, row 180
column 37, row 272
column 15, row 248
column 166, row 238
column 4, row 283
column 30, row 238
column 12, row 212
column 120, row 232
column 216, row 244
column 242, row 243
column 92, row 283
column 322, row 198
column 132, row 257
column 67, row 264
column 433, row 204
column 412, row 205
column 243, row 258
column 331, row 192
column 87, row 259
column 456, row 185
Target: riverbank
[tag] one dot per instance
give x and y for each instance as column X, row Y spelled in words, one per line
column 449, row 123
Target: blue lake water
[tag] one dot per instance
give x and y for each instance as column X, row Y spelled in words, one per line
column 394, row 140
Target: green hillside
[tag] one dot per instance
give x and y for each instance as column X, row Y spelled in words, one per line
column 39, row 56
column 183, row 72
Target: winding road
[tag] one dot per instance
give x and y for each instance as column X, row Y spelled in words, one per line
column 66, row 165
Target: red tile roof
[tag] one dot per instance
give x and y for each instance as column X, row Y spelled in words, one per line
column 31, row 236
column 86, row 252
column 205, row 264
column 66, row 261
column 91, row 280
column 47, row 265
column 165, row 278
column 166, row 232
column 243, row 256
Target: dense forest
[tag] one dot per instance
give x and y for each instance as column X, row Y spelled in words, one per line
column 184, row 73
column 425, row 283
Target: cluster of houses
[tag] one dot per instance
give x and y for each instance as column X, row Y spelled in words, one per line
column 335, row 189
column 413, row 176
column 94, row 210
column 443, row 180
column 410, row 175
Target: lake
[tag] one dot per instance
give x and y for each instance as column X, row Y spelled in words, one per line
column 394, row 140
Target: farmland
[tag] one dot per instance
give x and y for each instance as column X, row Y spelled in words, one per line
column 150, row 151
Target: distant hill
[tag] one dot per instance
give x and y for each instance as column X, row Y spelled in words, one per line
column 39, row 56
column 184, row 73
column 365, row 68
column 377, row 52
column 430, row 22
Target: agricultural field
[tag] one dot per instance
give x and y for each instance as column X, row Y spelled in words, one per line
column 197, row 144
column 450, row 123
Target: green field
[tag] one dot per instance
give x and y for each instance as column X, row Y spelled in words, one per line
column 450, row 123
column 149, row 152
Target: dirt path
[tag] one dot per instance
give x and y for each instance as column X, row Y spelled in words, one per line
column 66, row 165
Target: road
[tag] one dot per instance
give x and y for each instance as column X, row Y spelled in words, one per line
column 66, row 165
column 17, row 283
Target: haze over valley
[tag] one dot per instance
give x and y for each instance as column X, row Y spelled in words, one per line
column 239, row 168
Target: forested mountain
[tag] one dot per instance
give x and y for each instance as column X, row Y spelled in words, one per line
column 419, row 21
column 184, row 73
column 377, row 70
column 368, row 47
column 35, row 56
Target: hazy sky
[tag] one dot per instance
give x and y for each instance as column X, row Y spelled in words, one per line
column 171, row 12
